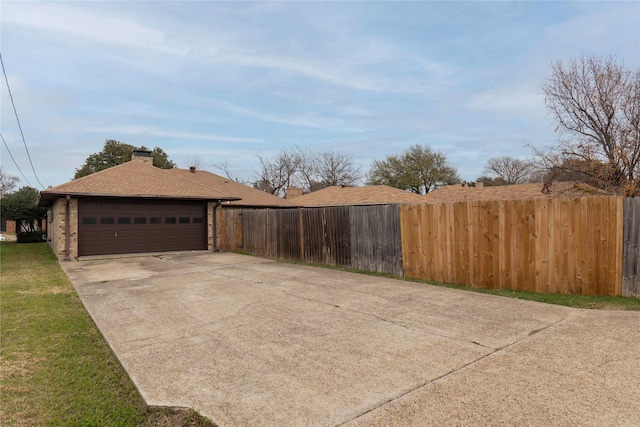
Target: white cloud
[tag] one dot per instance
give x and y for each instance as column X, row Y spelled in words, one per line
column 510, row 101
column 84, row 24
column 599, row 30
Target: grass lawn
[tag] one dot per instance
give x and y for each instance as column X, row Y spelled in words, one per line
column 55, row 367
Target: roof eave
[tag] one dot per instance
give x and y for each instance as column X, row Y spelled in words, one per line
column 46, row 198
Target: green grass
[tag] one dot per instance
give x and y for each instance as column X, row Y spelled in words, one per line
column 55, row 367
column 576, row 301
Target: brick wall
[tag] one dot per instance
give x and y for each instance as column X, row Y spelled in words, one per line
column 11, row 227
column 57, row 230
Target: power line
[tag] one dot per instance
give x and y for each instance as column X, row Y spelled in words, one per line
column 14, row 160
column 19, row 125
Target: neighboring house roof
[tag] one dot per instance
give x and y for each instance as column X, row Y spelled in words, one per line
column 459, row 193
column 368, row 195
column 249, row 196
column 135, row 179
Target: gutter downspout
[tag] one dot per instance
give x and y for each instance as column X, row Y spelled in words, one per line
column 67, row 229
column 215, row 226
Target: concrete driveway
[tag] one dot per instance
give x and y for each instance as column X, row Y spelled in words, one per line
column 247, row 341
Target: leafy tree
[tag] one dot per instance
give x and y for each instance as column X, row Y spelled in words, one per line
column 506, row 170
column 21, row 206
column 419, row 169
column 7, row 182
column 115, row 153
column 596, row 106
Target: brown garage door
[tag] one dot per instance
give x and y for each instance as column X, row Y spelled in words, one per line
column 117, row 227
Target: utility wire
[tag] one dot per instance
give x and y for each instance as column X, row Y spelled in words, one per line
column 19, row 125
column 14, row 160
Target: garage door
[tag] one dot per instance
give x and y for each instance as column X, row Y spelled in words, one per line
column 117, row 227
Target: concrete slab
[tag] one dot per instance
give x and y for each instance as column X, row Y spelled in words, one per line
column 249, row 341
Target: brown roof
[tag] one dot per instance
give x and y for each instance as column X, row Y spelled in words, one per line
column 250, row 196
column 368, row 195
column 135, row 179
column 458, row 193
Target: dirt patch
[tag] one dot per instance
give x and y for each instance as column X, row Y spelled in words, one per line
column 175, row 417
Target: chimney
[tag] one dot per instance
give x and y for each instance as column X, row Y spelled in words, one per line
column 144, row 156
column 192, row 169
column 479, row 184
column 293, row 192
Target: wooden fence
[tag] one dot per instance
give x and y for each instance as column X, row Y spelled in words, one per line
column 548, row 245
column 230, row 230
column 631, row 251
column 356, row 237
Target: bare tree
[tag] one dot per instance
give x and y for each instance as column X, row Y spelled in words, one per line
column 336, row 168
column 596, row 105
column 277, row 174
column 7, row 182
column 194, row 161
column 506, row 170
column 224, row 167
column 327, row 168
column 300, row 167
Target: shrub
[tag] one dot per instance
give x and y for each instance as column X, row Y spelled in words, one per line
column 31, row 237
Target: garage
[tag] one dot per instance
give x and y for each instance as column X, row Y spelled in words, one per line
column 130, row 208
column 116, row 227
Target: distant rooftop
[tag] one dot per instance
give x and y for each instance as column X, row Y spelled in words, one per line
column 459, row 193
column 368, row 195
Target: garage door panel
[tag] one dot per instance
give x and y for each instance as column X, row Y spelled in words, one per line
column 116, row 227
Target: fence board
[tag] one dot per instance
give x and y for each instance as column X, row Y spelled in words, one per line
column 313, row 231
column 230, row 227
column 375, row 241
column 631, row 250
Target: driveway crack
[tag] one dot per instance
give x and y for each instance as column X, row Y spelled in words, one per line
column 446, row 374
column 388, row 320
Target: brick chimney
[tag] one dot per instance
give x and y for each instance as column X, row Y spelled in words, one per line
column 293, row 192
column 144, row 156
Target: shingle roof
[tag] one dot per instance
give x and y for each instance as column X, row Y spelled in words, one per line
column 135, row 179
column 458, row 193
column 250, row 196
column 368, row 195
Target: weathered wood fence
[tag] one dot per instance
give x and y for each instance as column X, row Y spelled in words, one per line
column 631, row 251
column 357, row 237
column 588, row 246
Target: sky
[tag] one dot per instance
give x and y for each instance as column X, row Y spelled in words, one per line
column 224, row 82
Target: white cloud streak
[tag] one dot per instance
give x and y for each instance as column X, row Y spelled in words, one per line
column 147, row 131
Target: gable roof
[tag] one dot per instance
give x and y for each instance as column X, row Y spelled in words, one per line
column 458, row 193
column 249, row 196
column 368, row 195
column 135, row 179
